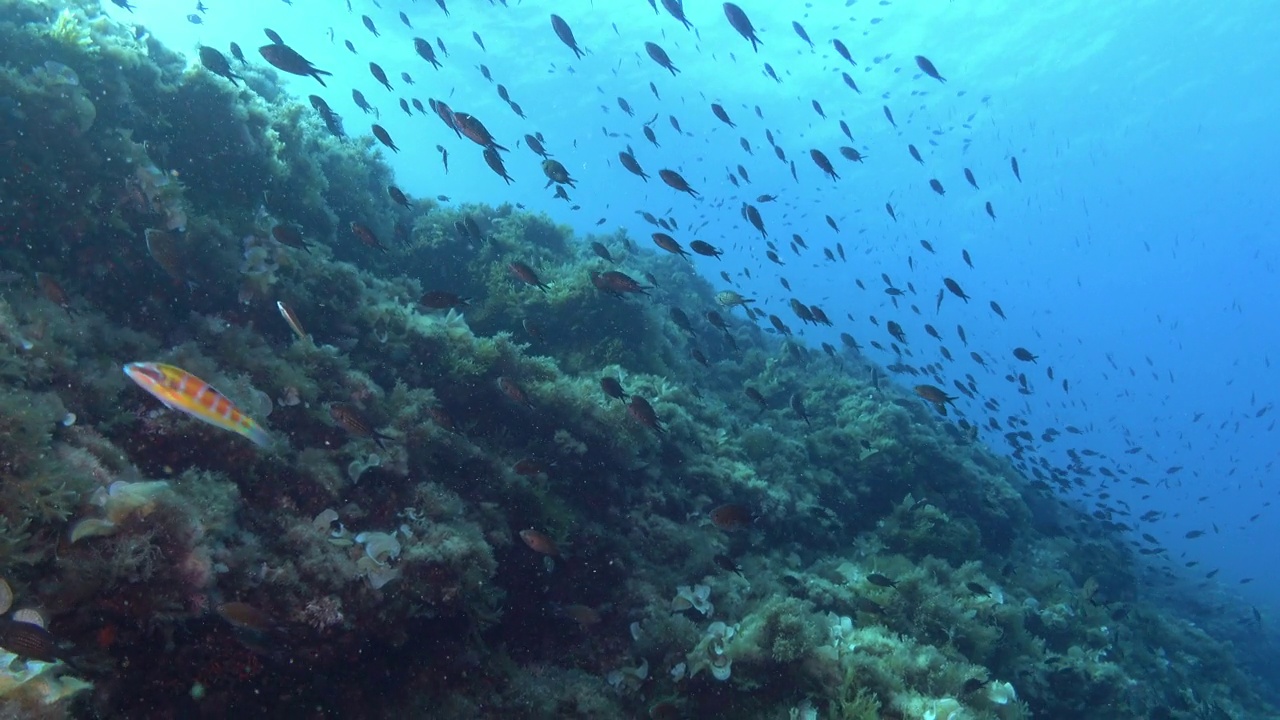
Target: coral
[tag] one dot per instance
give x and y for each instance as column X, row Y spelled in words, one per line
column 713, row 652
column 32, row 684
column 782, row 631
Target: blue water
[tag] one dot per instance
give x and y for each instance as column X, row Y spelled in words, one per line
column 1137, row 257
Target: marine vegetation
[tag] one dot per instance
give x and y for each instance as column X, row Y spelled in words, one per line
column 427, row 502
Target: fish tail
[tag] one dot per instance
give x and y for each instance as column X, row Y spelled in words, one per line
column 257, row 435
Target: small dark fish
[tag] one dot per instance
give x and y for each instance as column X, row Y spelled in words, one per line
column 443, row 300
column 955, row 289
column 601, row 251
column 881, row 580
column 629, row 162
column 426, row 52
column 995, row 308
column 937, row 186
column 494, row 161
column 238, row 54
column 557, row 173
column 1024, row 354
column 27, row 640
column 977, row 589
column 660, row 56
column 358, row 98
column 797, row 405
column 1013, row 163
column 705, row 248
column 724, row 562
column 285, row 58
column 289, row 236
column 479, row 41
column 676, row 181
column 475, row 131
column 719, row 112
column 843, row 51
column 216, row 63
column 368, row 23
column 384, row 137
column 740, row 22
column 565, row 34
column 535, row 145
column 397, row 196
column 527, row 275
column 968, row 175
column 643, row 412
column 376, row 70
column 928, row 69
column 330, row 118
column 273, row 36
column 801, row 32
column 613, row 388
column 366, row 236
column 668, row 243
column 731, row 516
column 618, row 284
column 851, row 154
column 676, row 9
column 820, row 159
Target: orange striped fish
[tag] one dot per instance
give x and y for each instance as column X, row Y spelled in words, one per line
column 182, row 391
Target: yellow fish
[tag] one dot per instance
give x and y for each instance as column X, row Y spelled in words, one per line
column 180, row 390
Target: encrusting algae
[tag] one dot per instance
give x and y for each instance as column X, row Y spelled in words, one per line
column 858, row 559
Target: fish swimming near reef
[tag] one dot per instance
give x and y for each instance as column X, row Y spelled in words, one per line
column 216, row 63
column 353, row 421
column 285, row 58
column 182, row 391
column 27, row 640
column 291, row 318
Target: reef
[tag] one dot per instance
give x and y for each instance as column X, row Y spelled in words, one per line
column 889, row 566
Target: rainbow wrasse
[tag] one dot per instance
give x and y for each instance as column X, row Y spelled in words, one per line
column 182, row 391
